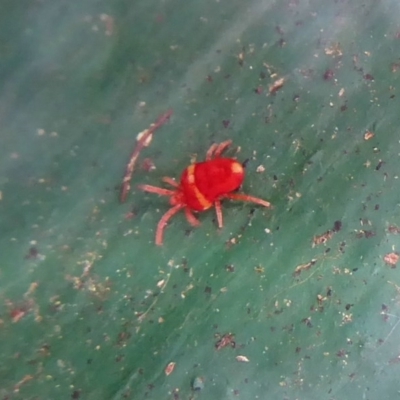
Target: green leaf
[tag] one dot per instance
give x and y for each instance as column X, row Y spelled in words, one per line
column 309, row 291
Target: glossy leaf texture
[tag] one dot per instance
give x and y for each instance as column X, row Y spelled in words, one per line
column 297, row 302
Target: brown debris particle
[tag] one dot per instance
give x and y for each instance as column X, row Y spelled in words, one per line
column 148, row 165
column 391, row 259
column 304, row 267
column 322, row 239
column 169, row 368
column 22, row 382
column 379, row 165
column 230, row 268
column 226, row 340
column 334, row 50
column 277, row 85
column 307, row 322
column 394, row 229
column 33, row 253
column 329, row 75
column 394, row 360
column 143, row 140
column 365, row 234
column 76, row 394
column 368, row 135
column 337, row 226
column 242, row 359
column 108, row 22
column 395, row 67
column 342, row 353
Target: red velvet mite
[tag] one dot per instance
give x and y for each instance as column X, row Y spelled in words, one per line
column 202, row 186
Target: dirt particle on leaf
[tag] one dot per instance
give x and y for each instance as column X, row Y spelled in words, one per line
column 391, row 259
column 148, row 165
column 368, row 77
column 169, row 368
column 322, row 239
column 365, row 234
column 226, row 123
column 394, row 229
column 337, row 226
column 368, row 135
column 76, row 394
column 328, row 75
column 379, row 165
column 198, row 383
column 230, row 268
column 33, row 253
column 394, row 360
column 260, row 169
column 242, row 359
column 342, row 353
column 277, row 85
column 228, row 339
column 395, row 67
column 334, row 50
column 304, row 267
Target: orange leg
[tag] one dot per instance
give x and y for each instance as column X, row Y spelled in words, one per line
column 218, row 210
column 221, row 148
column 191, row 218
column 170, row 181
column 157, row 190
column 210, row 151
column 217, row 149
column 251, row 199
column 163, row 222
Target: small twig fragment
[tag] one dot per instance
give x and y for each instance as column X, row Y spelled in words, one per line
column 126, row 182
column 278, row 84
column 304, row 267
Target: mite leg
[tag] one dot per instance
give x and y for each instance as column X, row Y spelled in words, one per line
column 163, row 222
column 217, row 149
column 210, row 151
column 191, row 218
column 218, row 211
column 251, row 199
column 221, row 148
column 157, row 190
column 170, row 181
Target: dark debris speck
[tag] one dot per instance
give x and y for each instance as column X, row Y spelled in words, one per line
column 329, row 75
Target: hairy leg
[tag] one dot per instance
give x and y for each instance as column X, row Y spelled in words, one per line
column 221, row 148
column 163, row 222
column 251, row 199
column 170, row 181
column 191, row 218
column 218, row 211
column 157, row 190
column 210, row 151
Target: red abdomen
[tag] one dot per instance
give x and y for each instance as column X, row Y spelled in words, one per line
column 205, row 182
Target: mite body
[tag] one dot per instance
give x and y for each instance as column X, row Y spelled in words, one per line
column 203, row 185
